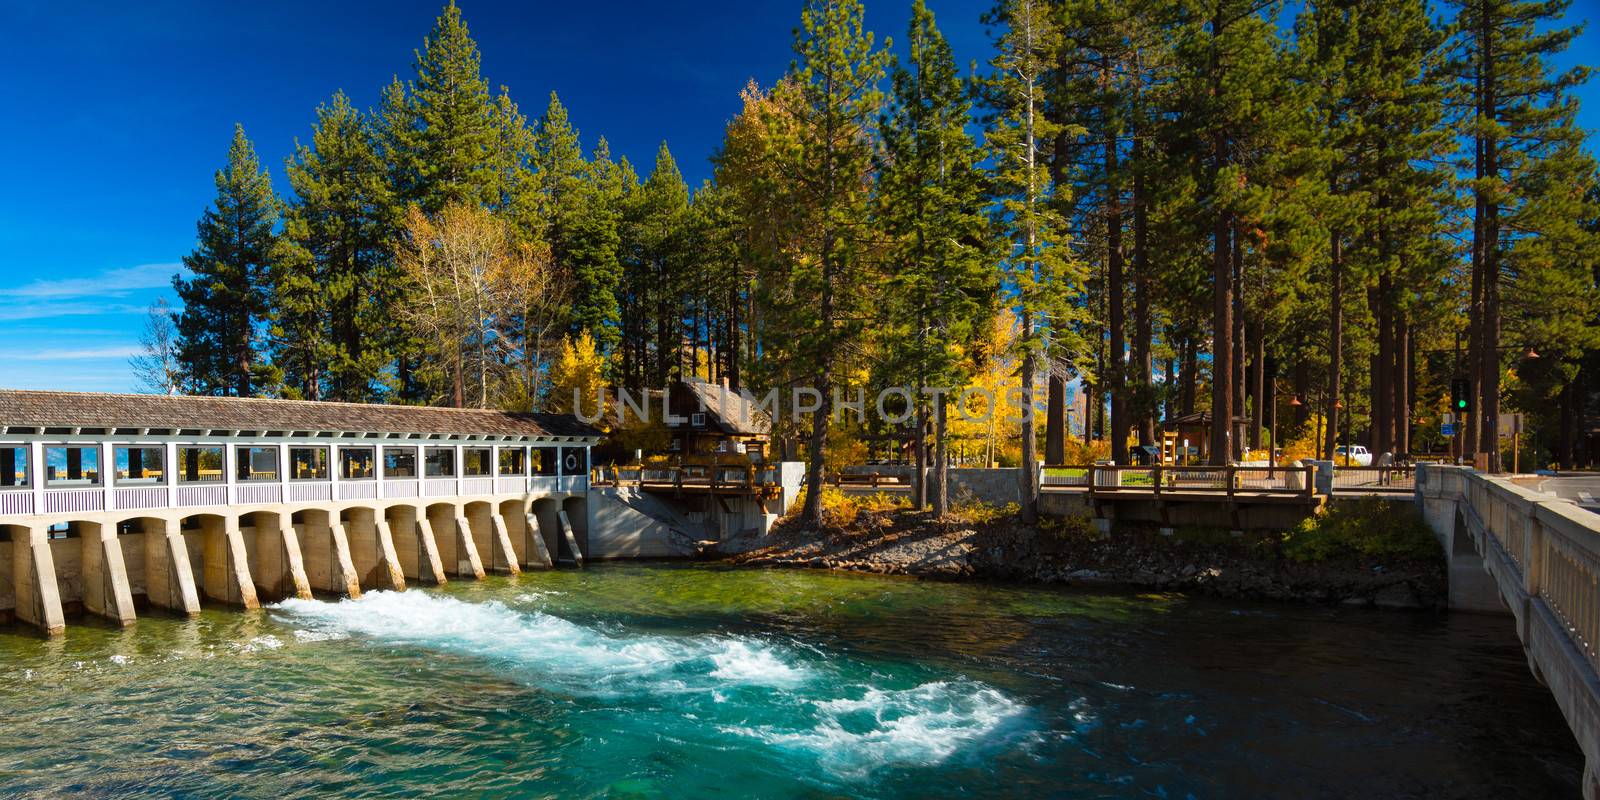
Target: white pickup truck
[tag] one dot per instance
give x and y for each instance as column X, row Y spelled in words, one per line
column 1354, row 456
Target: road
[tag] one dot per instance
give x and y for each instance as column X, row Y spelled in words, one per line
column 1583, row 490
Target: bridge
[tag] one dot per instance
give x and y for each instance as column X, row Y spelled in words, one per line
column 1514, row 549
column 113, row 503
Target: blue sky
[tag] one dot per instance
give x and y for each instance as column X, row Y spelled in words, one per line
column 115, row 116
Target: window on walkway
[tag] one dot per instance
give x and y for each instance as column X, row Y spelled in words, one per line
column 544, row 461
column 199, row 464
column 513, row 461
column 574, row 461
column 139, row 465
column 479, row 461
column 355, row 463
column 440, row 462
column 72, row 465
column 255, row 463
column 13, row 466
column 308, row 463
column 399, row 462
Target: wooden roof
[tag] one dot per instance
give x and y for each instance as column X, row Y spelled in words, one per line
column 734, row 412
column 45, row 409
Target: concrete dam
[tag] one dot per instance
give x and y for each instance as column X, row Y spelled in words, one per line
column 112, row 503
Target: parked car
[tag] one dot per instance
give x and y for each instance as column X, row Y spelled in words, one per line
column 1357, row 456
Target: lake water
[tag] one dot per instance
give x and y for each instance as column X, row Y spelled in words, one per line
column 678, row 681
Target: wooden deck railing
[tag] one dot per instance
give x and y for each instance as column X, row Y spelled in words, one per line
column 699, row 476
column 1227, row 481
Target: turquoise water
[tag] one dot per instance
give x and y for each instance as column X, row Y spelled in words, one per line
column 676, row 681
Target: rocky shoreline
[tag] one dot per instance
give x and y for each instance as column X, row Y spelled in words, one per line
column 1214, row 563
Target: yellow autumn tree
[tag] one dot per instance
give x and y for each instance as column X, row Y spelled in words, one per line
column 993, row 433
column 577, row 371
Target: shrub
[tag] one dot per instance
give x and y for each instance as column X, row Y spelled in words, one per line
column 1368, row 529
column 840, row 510
column 1074, row 527
column 977, row 512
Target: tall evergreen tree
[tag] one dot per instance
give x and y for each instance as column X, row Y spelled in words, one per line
column 1520, row 109
column 333, row 298
column 588, row 240
column 1046, row 278
column 933, row 199
column 836, row 77
column 658, row 280
column 443, row 132
column 225, row 297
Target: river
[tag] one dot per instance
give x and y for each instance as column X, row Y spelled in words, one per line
column 682, row 681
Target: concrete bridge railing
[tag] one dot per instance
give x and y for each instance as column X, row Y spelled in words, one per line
column 1538, row 556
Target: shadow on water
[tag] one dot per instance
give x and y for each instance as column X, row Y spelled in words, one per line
column 692, row 681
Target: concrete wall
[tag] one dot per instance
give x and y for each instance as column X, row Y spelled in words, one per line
column 173, row 560
column 629, row 523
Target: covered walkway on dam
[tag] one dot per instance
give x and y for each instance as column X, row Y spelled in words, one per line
column 111, row 503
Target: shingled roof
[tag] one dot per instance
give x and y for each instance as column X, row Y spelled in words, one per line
column 43, row 409
column 734, row 412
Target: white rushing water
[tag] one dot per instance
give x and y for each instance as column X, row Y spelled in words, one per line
column 742, row 687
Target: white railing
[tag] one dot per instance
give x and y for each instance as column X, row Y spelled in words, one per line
column 358, row 490
column 58, row 500
column 142, row 497
column 1543, row 555
column 16, row 502
column 247, row 493
column 310, row 492
column 400, row 488
column 202, row 495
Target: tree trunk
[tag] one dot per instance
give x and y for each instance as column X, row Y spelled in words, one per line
column 1400, row 385
column 1222, row 327
column 1330, row 412
column 1258, row 391
column 1116, row 372
column 1381, row 398
column 1055, row 420
column 941, row 466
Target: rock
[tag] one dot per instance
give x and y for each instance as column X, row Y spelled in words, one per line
column 1084, row 575
column 1396, row 595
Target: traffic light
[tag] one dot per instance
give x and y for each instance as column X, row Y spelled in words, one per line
column 1461, row 396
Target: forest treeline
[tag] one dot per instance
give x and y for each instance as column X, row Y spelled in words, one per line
column 1311, row 220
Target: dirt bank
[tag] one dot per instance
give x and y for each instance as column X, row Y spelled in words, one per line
column 1000, row 546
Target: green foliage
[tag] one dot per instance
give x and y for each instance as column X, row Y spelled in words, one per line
column 442, row 128
column 226, row 297
column 333, row 291
column 1365, row 530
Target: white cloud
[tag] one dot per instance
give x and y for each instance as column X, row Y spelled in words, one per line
column 110, row 283
column 28, row 308
column 74, row 354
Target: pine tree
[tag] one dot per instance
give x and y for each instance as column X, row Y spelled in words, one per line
column 333, row 298
column 588, row 240
column 1046, row 278
column 933, row 198
column 225, row 297
column 836, row 78
column 1519, row 110
column 657, row 283
column 443, row 129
